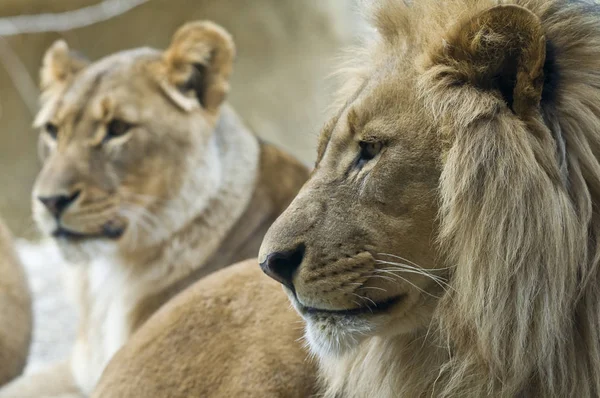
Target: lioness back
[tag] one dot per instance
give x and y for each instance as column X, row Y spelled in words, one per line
column 15, row 310
column 232, row 334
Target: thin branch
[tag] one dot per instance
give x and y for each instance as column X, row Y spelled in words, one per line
column 20, row 77
column 68, row 20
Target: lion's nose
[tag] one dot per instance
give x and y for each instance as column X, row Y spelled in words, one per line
column 282, row 266
column 56, row 205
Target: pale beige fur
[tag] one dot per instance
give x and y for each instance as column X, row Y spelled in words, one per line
column 231, row 334
column 15, row 310
column 167, row 183
column 448, row 236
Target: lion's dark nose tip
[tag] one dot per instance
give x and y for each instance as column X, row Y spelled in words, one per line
column 282, row 266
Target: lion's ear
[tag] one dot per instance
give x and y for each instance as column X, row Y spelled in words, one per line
column 199, row 62
column 501, row 49
column 59, row 65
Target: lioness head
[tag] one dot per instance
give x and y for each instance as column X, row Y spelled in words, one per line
column 126, row 142
column 441, row 150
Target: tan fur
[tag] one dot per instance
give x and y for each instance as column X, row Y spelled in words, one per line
column 232, row 334
column 467, row 247
column 15, row 310
column 159, row 203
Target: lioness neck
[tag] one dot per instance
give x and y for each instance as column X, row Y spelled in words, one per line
column 118, row 292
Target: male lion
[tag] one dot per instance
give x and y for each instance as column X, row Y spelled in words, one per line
column 447, row 243
column 15, row 310
column 149, row 182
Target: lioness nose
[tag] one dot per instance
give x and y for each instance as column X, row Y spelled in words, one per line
column 56, row 205
column 282, row 266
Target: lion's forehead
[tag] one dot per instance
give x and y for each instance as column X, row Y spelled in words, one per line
column 390, row 106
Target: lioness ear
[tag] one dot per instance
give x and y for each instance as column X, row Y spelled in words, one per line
column 199, row 63
column 59, row 66
column 501, row 49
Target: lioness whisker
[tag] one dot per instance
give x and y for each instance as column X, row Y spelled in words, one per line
column 143, row 214
column 143, row 197
column 140, row 217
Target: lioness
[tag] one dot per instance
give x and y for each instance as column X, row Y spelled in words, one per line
column 149, row 182
column 15, row 310
column 231, row 334
column 448, row 242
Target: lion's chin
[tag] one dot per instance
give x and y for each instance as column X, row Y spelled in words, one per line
column 336, row 336
column 335, row 333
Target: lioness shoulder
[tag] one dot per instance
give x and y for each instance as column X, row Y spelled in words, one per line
column 15, row 310
column 232, row 334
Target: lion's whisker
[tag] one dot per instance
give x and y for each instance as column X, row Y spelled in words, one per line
column 407, row 281
column 438, row 281
column 411, row 262
column 373, row 288
column 399, row 267
column 364, row 298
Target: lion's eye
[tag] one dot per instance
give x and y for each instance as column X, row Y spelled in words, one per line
column 51, row 129
column 368, row 151
column 116, row 128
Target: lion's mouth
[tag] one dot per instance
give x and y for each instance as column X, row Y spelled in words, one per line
column 372, row 309
column 109, row 231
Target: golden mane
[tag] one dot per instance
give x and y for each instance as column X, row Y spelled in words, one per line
column 519, row 219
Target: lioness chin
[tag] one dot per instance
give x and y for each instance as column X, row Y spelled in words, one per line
column 149, row 182
column 448, row 242
column 15, row 310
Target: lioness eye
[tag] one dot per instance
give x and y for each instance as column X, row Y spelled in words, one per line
column 368, row 150
column 51, row 129
column 116, row 128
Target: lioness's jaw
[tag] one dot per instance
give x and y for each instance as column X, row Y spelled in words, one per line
column 198, row 65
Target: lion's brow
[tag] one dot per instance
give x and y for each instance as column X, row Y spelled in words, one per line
column 338, row 116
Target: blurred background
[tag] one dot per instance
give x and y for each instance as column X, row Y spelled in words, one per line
column 286, row 50
column 280, row 86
